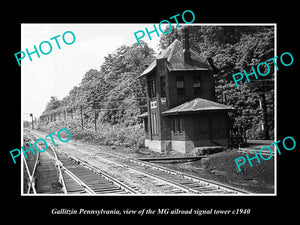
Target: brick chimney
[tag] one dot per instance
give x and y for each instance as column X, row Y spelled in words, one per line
column 186, row 45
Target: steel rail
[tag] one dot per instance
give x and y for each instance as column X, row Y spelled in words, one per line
column 85, row 186
column 61, row 179
column 70, row 174
column 78, row 180
column 105, row 175
column 156, row 177
column 174, row 172
column 209, row 184
column 31, row 183
column 95, row 170
column 31, row 176
column 191, row 177
column 60, row 176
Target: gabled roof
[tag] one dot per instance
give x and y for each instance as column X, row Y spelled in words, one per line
column 174, row 55
column 197, row 105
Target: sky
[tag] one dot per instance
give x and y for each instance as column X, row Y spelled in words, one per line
column 58, row 72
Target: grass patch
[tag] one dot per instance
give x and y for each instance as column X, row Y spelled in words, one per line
column 119, row 135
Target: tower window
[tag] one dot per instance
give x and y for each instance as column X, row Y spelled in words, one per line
column 153, row 124
column 180, row 85
column 163, row 86
column 146, row 125
column 197, row 85
column 177, row 125
column 152, row 88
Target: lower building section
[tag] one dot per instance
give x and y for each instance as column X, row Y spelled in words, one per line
column 158, row 145
column 185, row 147
column 186, row 133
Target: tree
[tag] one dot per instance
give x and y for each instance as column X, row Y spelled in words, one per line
column 52, row 105
column 234, row 49
column 121, row 70
column 115, row 87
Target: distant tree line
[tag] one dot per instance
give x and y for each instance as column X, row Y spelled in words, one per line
column 119, row 96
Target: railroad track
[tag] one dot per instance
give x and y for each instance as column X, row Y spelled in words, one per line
column 77, row 177
column 173, row 182
column 30, row 165
column 39, row 173
column 184, row 182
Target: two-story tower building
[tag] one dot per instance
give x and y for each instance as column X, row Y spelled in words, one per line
column 182, row 112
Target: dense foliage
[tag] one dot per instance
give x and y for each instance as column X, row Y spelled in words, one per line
column 118, row 96
column 234, row 49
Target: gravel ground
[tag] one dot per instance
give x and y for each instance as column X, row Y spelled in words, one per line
column 145, row 185
column 219, row 167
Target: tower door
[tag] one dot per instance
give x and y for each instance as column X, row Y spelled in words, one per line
column 201, row 128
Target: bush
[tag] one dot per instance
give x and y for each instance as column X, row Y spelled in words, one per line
column 129, row 136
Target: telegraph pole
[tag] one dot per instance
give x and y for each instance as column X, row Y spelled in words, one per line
column 265, row 85
column 95, row 120
column 31, row 120
column 95, row 106
column 81, row 117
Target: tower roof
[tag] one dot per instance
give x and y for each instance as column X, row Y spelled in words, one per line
column 197, row 105
column 175, row 59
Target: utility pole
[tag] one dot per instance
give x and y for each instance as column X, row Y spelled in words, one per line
column 71, row 113
column 31, row 120
column 265, row 116
column 95, row 106
column 81, row 117
column 95, row 120
column 264, row 85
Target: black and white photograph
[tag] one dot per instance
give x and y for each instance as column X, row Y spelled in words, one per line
column 107, row 113
column 178, row 112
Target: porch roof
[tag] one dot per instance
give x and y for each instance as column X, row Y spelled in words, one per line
column 197, row 105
